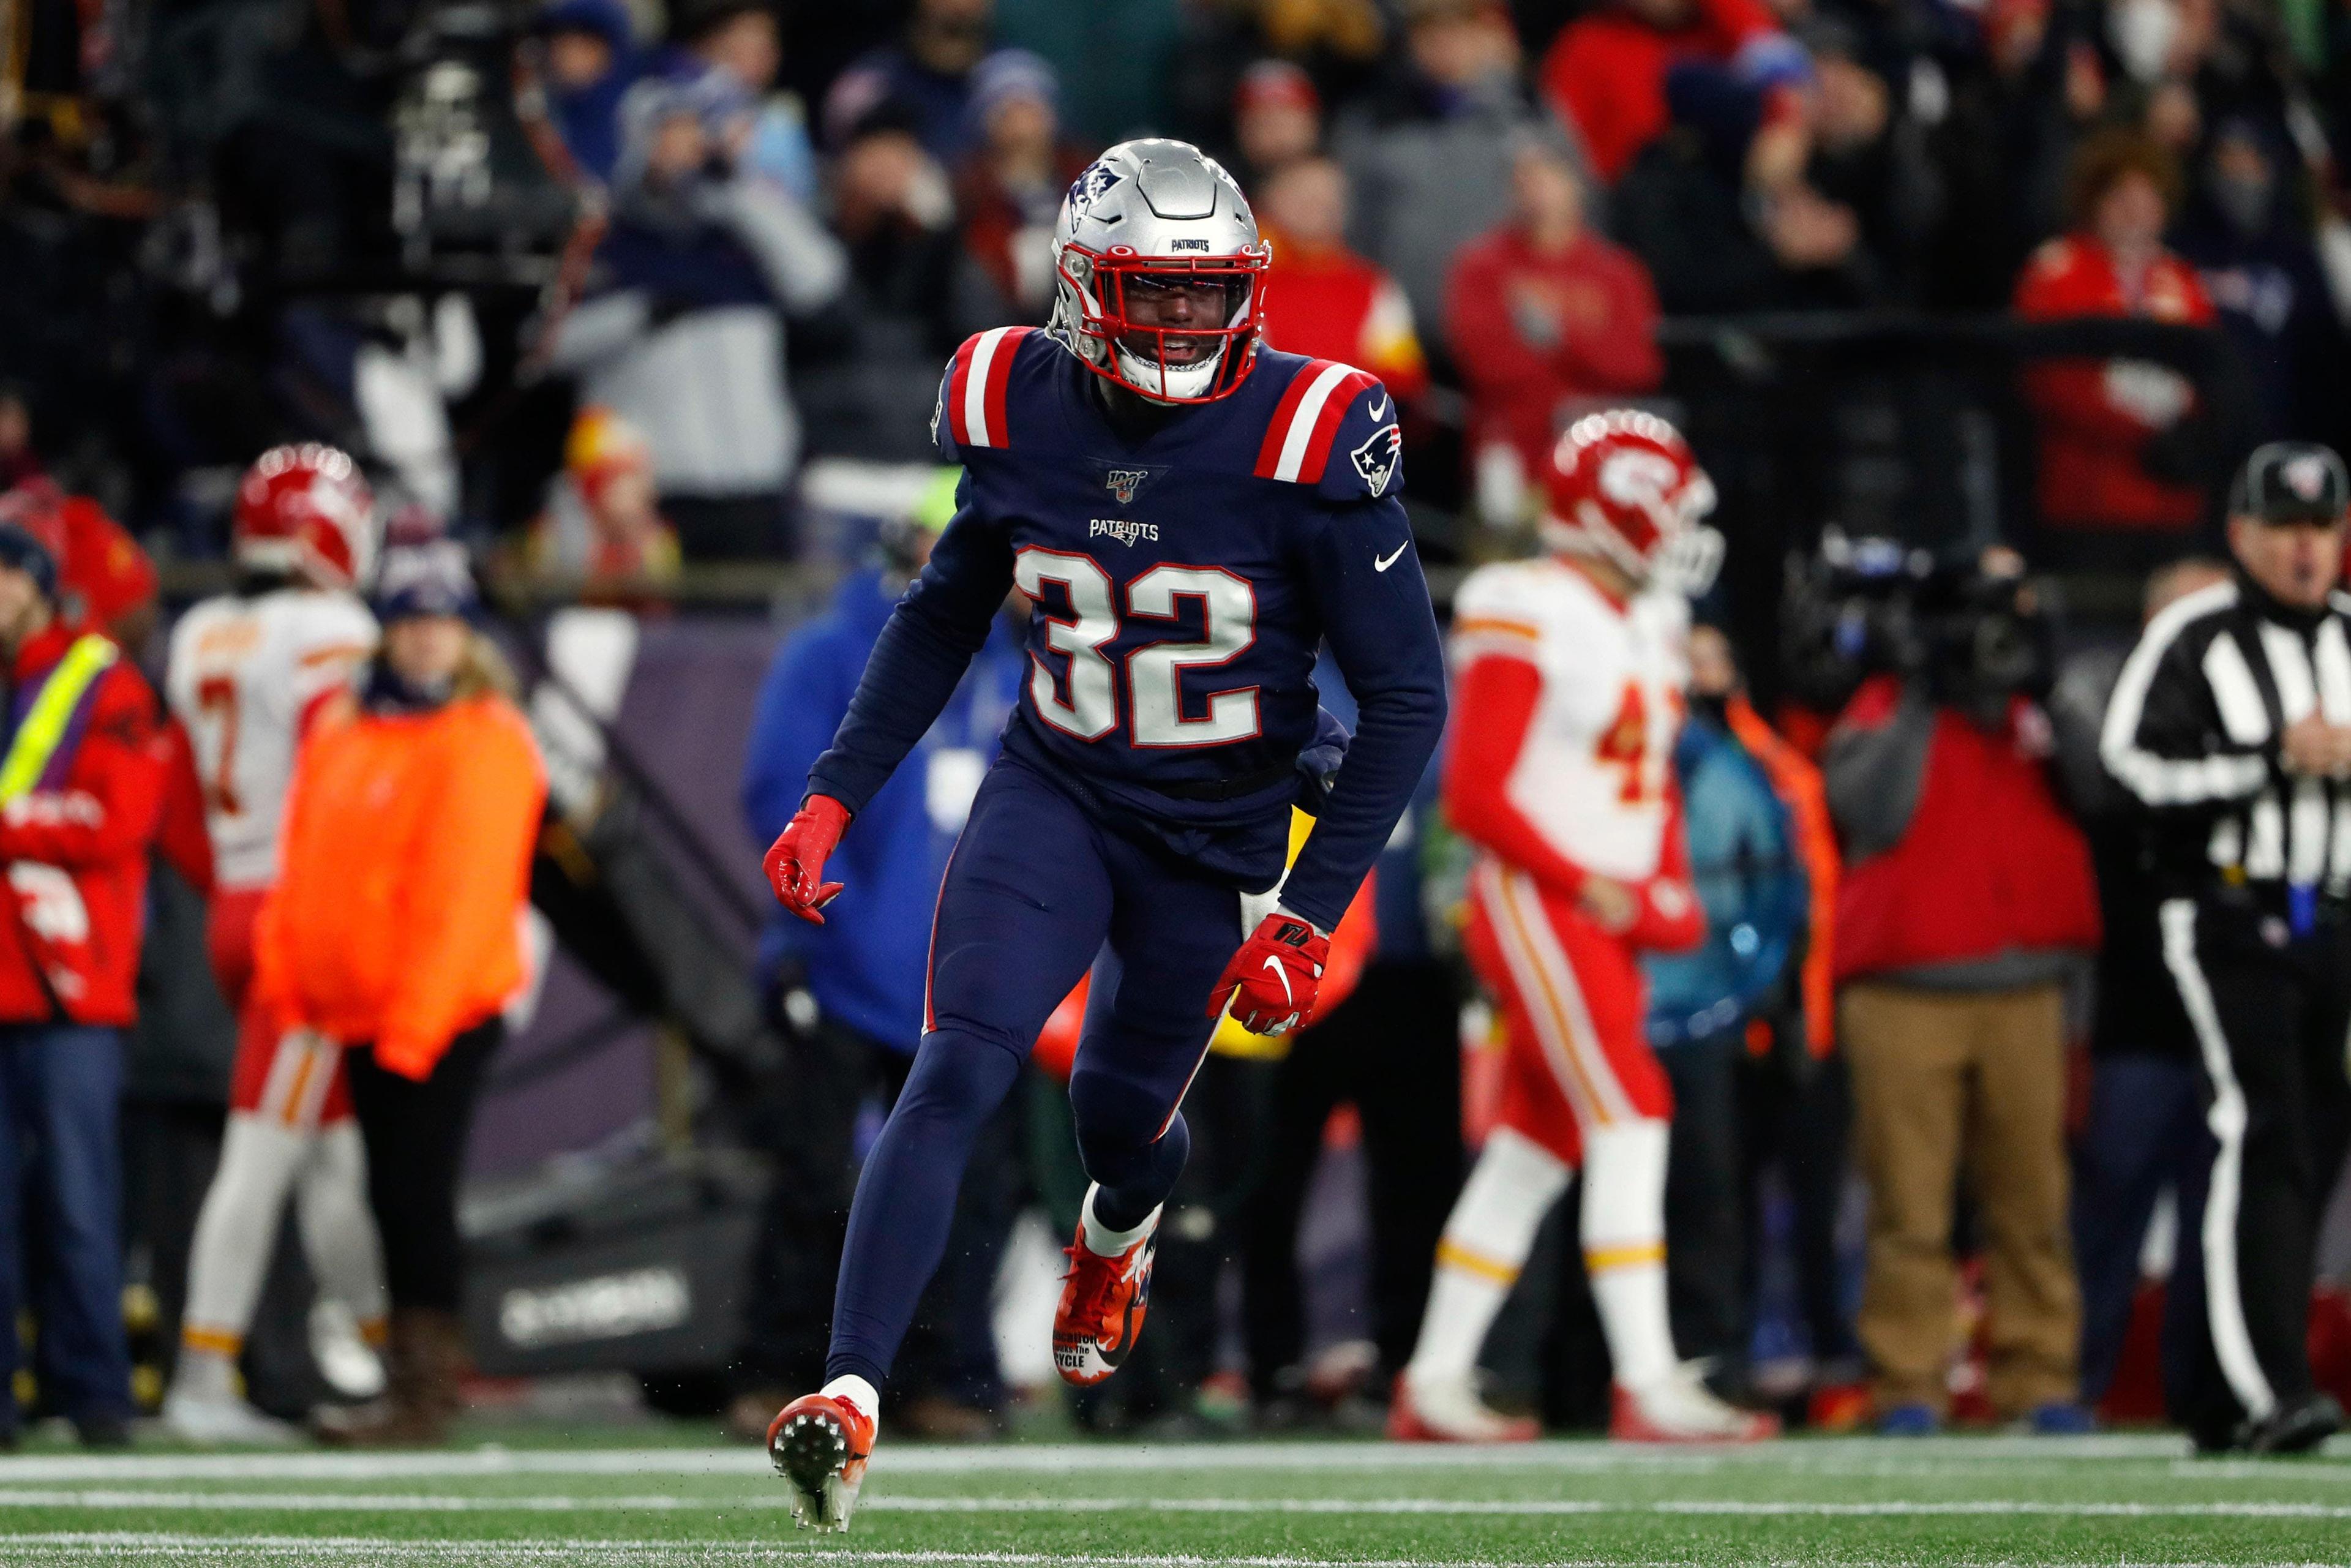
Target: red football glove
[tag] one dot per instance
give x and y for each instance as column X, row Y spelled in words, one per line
column 1271, row 980
column 795, row 862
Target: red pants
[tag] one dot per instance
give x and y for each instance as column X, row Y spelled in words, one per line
column 296, row 1079
column 1574, row 1007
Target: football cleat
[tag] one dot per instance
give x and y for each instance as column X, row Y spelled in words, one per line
column 1680, row 1408
column 1448, row 1410
column 208, row 1421
column 1103, row 1303
column 819, row 1444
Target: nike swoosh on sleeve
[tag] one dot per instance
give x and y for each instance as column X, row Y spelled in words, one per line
column 1391, row 557
column 1379, row 410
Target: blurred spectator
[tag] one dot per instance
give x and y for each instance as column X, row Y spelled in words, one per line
column 18, row 460
column 1429, row 157
column 84, row 779
column 913, row 294
column 1277, row 120
column 1869, row 156
column 849, row 998
column 1323, row 300
column 1605, row 73
column 2003, row 149
column 1010, row 189
column 2098, row 419
column 2243, row 232
column 2142, row 1131
column 395, row 933
column 1966, row 902
column 1718, row 208
column 683, row 336
column 1751, row 883
column 925, row 77
column 1119, row 60
column 602, row 531
column 1544, row 312
column 590, row 60
column 105, row 581
column 741, row 38
column 1391, row 1048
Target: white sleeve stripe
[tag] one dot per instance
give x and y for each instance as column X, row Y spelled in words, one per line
column 1302, row 420
column 974, row 387
column 2333, row 661
column 2165, row 781
column 2289, row 663
column 2242, row 713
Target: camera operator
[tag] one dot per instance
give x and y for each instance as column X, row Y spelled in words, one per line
column 2231, row 732
column 1966, row 902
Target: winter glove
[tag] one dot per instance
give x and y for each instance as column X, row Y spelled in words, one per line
column 795, row 862
column 1271, row 980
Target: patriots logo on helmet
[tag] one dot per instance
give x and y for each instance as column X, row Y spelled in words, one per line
column 1375, row 459
column 1089, row 187
column 1124, row 483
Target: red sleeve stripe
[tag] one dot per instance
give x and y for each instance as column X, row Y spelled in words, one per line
column 1298, row 442
column 976, row 394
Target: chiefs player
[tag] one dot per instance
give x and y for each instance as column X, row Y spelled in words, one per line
column 249, row 672
column 1568, row 672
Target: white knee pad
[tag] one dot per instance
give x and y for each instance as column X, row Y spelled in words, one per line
column 1624, row 1183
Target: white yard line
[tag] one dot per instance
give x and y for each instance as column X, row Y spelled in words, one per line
column 1540, row 1508
column 163, row 1546
column 1864, row 1456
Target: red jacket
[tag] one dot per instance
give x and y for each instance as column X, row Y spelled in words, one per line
column 2091, row 472
column 76, row 844
column 1990, row 862
column 1605, row 72
column 1334, row 305
column 1532, row 331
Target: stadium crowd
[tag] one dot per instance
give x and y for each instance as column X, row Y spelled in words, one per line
column 1932, row 959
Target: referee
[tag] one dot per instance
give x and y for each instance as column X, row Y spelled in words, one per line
column 2231, row 729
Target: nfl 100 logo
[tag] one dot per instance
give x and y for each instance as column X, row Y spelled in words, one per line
column 1123, row 482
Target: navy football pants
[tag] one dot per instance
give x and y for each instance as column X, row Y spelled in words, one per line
column 1036, row 893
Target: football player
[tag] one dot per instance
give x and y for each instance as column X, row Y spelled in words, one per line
column 248, row 670
column 1571, row 668
column 1191, row 513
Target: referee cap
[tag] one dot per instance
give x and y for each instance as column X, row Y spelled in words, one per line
column 2291, row 481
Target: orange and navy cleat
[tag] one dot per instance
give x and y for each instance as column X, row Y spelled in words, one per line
column 1103, row 1303
column 819, row 1444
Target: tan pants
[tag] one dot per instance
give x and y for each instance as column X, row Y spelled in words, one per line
column 1940, row 1076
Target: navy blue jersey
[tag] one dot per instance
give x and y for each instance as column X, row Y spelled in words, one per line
column 1182, row 580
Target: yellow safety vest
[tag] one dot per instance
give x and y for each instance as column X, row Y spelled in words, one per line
column 45, row 725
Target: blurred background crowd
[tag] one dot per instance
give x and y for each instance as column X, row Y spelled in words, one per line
column 1971, row 310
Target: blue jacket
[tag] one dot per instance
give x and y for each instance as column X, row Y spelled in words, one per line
column 866, row 963
column 1750, row 880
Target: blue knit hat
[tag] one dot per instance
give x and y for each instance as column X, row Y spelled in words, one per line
column 435, row 578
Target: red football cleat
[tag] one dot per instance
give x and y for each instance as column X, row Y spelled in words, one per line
column 1450, row 1411
column 819, row 1444
column 1680, row 1408
column 1103, row 1303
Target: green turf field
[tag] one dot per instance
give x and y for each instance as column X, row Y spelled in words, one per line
column 2137, row 1500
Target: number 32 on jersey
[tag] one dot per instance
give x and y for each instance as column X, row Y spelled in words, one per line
column 1154, row 673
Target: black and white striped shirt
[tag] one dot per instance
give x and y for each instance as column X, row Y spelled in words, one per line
column 2192, row 736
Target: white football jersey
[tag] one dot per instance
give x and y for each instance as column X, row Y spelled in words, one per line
column 244, row 671
column 1595, row 775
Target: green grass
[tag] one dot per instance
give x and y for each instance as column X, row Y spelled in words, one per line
column 1958, row 1500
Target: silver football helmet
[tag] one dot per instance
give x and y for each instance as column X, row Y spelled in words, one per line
column 1160, row 273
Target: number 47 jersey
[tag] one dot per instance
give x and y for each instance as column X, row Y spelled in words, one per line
column 1181, row 577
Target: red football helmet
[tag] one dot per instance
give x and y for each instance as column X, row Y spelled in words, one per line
column 306, row 511
column 1624, row 485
